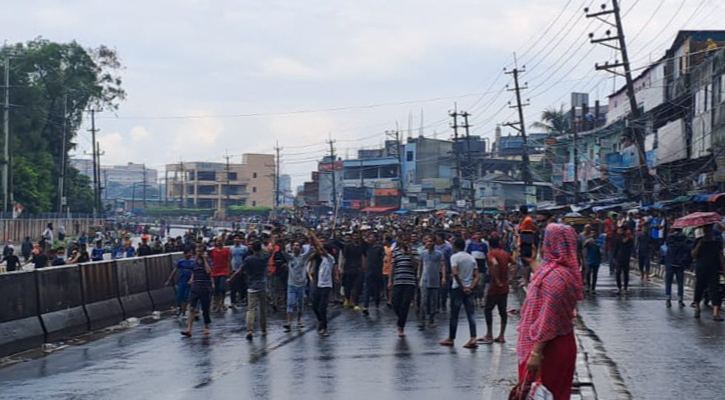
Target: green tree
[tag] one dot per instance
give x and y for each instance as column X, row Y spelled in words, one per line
column 52, row 85
column 553, row 121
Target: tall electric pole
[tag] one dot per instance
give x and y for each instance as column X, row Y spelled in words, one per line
column 6, row 145
column 635, row 127
column 470, row 168
column 277, row 149
column 228, row 171
column 395, row 152
column 183, row 185
column 520, row 126
column 456, row 154
column 334, row 182
column 145, row 183
column 61, row 177
column 96, row 179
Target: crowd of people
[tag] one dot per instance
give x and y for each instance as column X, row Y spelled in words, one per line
column 427, row 265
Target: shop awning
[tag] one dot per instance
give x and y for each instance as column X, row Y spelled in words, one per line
column 702, row 198
column 682, row 199
column 378, row 210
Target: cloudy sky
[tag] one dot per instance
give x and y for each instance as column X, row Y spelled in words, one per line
column 208, row 76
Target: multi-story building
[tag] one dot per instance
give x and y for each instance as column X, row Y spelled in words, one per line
column 219, row 185
column 122, row 174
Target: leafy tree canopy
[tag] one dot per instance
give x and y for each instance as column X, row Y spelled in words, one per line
column 52, row 85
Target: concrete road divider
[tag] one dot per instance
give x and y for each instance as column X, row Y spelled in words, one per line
column 133, row 287
column 60, row 301
column 20, row 327
column 100, row 294
column 158, row 268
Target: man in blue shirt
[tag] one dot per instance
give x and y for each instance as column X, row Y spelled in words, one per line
column 183, row 288
column 239, row 252
column 444, row 247
column 97, row 252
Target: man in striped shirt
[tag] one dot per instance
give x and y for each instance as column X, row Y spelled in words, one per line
column 402, row 280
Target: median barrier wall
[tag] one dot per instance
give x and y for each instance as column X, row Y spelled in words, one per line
column 133, row 287
column 100, row 294
column 56, row 303
column 60, row 302
column 20, row 327
column 158, row 268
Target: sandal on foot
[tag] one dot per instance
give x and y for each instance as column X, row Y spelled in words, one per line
column 485, row 340
column 499, row 340
column 470, row 345
column 446, row 342
column 186, row 333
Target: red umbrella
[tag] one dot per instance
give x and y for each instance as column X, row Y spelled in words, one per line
column 697, row 219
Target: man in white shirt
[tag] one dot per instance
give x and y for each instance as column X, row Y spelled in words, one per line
column 465, row 275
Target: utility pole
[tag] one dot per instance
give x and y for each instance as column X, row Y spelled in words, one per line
column 520, row 126
column 228, row 190
column 6, row 145
column 575, row 130
column 277, row 149
column 456, row 154
column 93, row 131
column 395, row 136
column 61, row 178
column 98, row 166
column 636, row 130
column 334, row 182
column 166, row 187
column 183, row 185
column 470, row 169
column 145, row 183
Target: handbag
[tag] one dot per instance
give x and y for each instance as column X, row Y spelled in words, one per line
column 521, row 390
column 539, row 392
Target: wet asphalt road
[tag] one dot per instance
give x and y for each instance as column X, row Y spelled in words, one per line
column 362, row 359
column 660, row 353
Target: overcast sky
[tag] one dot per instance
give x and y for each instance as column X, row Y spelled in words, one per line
column 204, row 77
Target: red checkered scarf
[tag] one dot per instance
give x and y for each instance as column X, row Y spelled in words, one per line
column 555, row 288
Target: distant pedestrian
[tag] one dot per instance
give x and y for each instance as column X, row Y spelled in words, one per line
column 322, row 276
column 623, row 249
column 464, row 271
column 98, row 251
column 645, row 243
column 374, row 261
column 709, row 264
column 678, row 257
column 26, row 249
column 237, row 291
column 61, row 233
column 255, row 268
column 184, row 268
column 499, row 261
column 593, row 260
column 403, row 282
column 432, row 264
column 144, row 249
column 47, row 236
column 296, row 283
column 8, row 248
column 12, row 262
column 201, row 288
column 221, row 265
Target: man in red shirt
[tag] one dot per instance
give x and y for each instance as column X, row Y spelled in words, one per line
column 221, row 259
column 499, row 262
